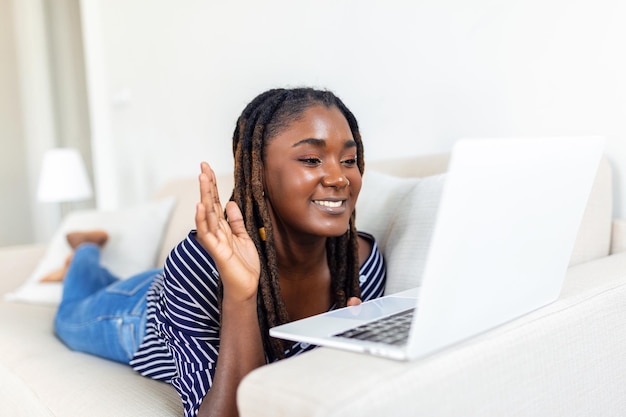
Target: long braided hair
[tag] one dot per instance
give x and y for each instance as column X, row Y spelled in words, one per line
column 266, row 116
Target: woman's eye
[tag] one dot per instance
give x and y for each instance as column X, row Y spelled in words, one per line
column 311, row 161
column 349, row 162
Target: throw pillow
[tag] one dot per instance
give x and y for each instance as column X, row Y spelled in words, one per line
column 135, row 236
column 401, row 214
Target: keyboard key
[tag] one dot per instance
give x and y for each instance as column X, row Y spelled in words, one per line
column 393, row 329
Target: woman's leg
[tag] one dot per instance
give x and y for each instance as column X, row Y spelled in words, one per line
column 100, row 314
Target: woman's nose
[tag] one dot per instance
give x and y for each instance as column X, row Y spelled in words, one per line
column 335, row 178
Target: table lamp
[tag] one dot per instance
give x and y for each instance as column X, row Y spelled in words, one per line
column 63, row 177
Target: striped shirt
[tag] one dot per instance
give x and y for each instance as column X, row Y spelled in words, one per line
column 182, row 338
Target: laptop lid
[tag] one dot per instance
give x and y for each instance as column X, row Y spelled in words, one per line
column 507, row 223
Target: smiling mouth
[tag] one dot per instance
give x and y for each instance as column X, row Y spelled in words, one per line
column 329, row 204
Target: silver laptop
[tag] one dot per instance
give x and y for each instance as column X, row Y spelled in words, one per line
column 506, row 226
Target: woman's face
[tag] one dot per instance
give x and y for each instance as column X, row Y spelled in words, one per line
column 310, row 174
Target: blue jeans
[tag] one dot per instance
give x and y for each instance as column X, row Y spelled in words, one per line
column 99, row 313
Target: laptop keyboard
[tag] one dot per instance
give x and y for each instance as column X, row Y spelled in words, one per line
column 392, row 330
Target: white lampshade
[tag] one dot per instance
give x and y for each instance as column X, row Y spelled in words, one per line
column 63, row 177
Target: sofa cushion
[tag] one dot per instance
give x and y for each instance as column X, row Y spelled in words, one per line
column 134, row 241
column 42, row 377
column 17, row 263
column 400, row 213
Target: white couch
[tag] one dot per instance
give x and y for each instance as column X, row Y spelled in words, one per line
column 564, row 359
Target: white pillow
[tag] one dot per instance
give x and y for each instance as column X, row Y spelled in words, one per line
column 401, row 214
column 135, row 236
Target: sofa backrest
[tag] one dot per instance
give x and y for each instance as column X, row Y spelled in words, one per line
column 187, row 193
column 594, row 236
column 411, row 167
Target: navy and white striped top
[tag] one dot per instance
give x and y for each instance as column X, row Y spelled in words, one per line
column 182, row 338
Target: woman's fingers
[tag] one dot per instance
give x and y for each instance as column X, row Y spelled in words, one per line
column 353, row 301
column 210, row 213
column 235, row 220
column 209, row 195
column 205, row 220
column 205, row 191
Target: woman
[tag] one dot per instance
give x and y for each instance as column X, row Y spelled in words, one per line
column 284, row 248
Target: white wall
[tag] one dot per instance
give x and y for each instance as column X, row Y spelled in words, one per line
column 167, row 79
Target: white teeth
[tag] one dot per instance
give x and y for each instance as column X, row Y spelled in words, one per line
column 333, row 204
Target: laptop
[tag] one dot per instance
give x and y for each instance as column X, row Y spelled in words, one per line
column 506, row 225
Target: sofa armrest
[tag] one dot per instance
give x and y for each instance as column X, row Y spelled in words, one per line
column 17, row 263
column 618, row 236
column 548, row 362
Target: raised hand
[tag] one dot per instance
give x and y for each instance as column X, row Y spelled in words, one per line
column 227, row 241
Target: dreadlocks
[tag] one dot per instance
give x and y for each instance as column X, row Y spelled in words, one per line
column 266, row 116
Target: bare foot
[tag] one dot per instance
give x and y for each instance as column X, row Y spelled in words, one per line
column 59, row 274
column 98, row 237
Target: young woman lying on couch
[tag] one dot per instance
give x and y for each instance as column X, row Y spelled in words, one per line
column 284, row 248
